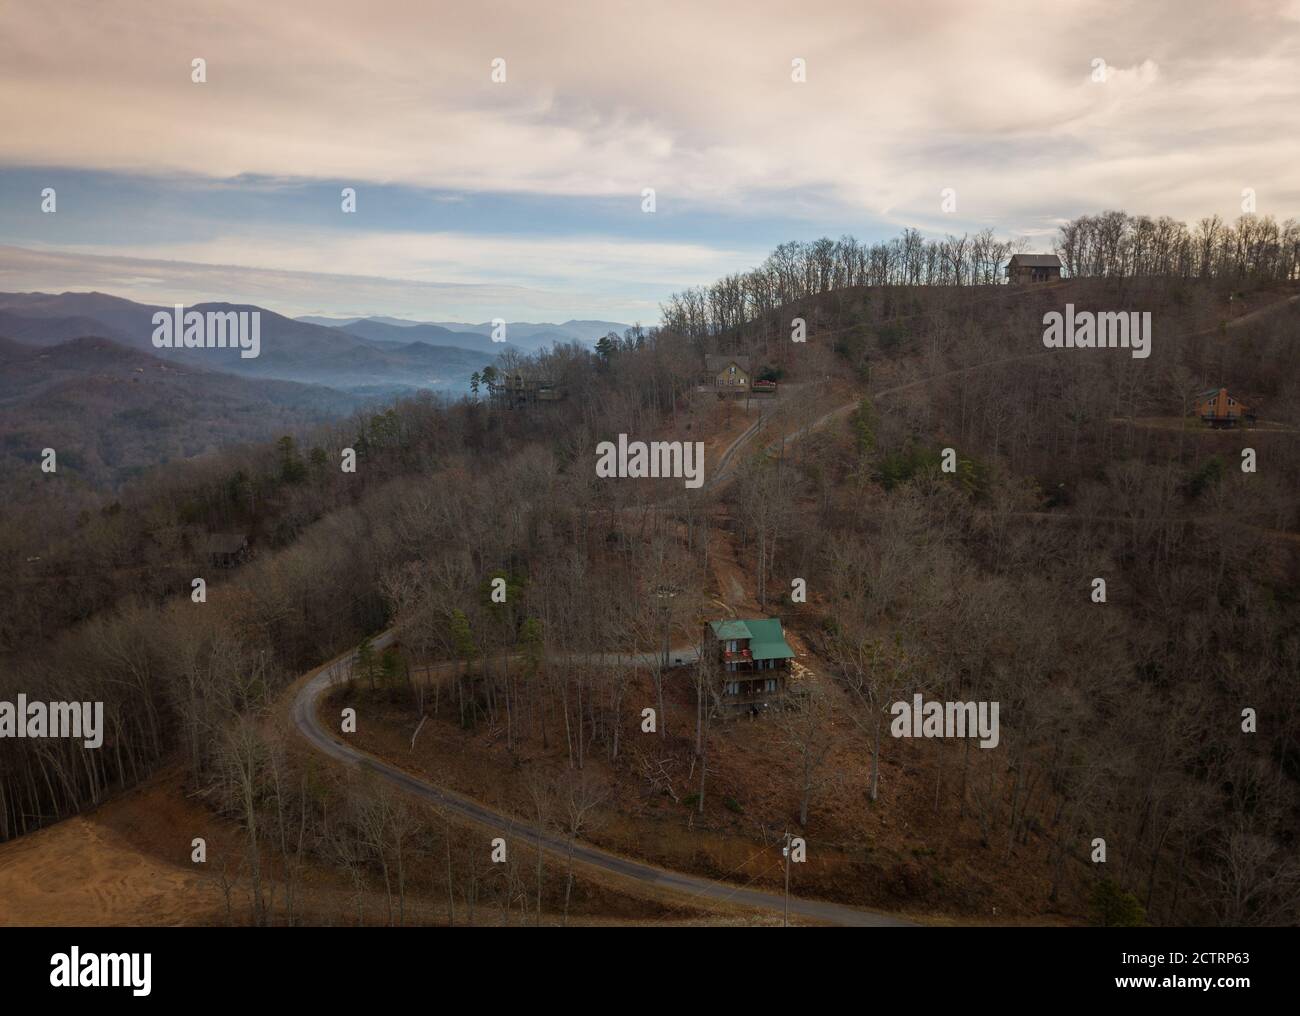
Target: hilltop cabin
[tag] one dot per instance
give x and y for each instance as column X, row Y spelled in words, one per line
column 728, row 375
column 753, row 659
column 1033, row 268
column 226, row 550
column 517, row 390
column 1217, row 408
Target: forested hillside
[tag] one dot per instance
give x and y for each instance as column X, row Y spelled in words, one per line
column 1122, row 720
column 117, row 412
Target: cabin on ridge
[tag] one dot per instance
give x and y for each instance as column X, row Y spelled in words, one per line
column 1024, row 268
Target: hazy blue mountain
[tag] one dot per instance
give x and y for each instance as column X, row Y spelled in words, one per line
column 435, row 335
column 329, row 322
column 534, row 335
column 291, row 350
column 46, row 331
column 526, row 335
column 332, row 322
column 112, row 411
column 34, row 373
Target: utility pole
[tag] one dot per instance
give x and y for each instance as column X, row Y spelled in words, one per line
column 665, row 593
column 785, row 852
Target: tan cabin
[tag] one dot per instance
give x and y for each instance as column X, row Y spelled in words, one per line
column 727, row 373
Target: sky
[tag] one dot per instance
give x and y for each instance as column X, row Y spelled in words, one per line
column 524, row 198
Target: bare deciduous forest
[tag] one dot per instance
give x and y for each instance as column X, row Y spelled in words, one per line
column 1121, row 720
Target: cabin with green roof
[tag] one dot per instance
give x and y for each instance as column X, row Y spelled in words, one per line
column 753, row 661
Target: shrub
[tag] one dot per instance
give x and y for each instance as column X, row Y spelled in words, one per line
column 890, row 336
column 1113, row 907
column 899, row 467
column 863, row 423
column 1205, row 476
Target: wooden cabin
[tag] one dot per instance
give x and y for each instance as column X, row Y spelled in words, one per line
column 515, row 389
column 753, row 661
column 727, row 374
column 1033, row 268
column 1218, row 408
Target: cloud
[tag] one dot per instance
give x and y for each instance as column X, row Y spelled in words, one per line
column 318, row 289
column 603, row 99
column 462, row 258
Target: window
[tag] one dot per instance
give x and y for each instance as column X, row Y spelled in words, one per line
column 769, row 684
column 733, row 687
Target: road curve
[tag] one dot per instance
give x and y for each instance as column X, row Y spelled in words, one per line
column 307, row 722
column 705, row 890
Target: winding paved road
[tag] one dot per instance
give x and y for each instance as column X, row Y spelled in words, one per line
column 702, row 889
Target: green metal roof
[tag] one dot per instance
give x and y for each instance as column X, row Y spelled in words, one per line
column 730, row 630
column 766, row 639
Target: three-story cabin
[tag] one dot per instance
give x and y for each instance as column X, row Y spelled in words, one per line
column 753, row 661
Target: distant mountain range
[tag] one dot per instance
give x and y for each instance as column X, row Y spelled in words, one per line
column 383, row 333
column 111, row 411
column 526, row 335
column 369, row 357
column 79, row 373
